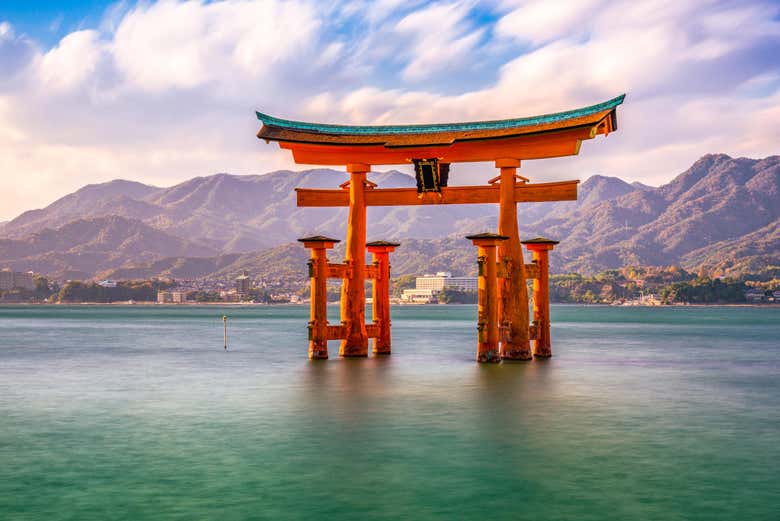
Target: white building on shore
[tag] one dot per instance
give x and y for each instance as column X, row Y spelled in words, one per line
column 428, row 286
column 171, row 297
column 16, row 280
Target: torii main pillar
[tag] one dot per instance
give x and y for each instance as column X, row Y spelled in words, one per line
column 512, row 289
column 353, row 290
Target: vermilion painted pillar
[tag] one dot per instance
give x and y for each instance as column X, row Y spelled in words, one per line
column 487, row 340
column 318, row 273
column 512, row 289
column 380, row 308
column 540, row 248
column 353, row 292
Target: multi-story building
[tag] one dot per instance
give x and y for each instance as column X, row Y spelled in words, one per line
column 443, row 280
column 243, row 284
column 755, row 295
column 428, row 286
column 16, row 279
column 419, row 296
column 6, row 279
column 171, row 297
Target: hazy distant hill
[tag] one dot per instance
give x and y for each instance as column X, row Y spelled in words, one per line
column 722, row 213
column 716, row 202
column 86, row 246
column 119, row 197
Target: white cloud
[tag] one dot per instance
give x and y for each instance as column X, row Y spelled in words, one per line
column 540, row 21
column 182, row 45
column 6, row 31
column 72, row 62
column 442, row 39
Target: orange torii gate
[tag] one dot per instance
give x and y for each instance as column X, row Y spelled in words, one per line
column 504, row 328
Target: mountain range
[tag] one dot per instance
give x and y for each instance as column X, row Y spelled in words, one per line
column 722, row 214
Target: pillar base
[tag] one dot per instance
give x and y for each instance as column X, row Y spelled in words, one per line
column 382, row 352
column 542, row 352
column 353, row 351
column 516, row 353
column 491, row 357
column 318, row 350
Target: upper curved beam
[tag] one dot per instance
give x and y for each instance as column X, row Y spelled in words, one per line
column 550, row 135
column 500, row 124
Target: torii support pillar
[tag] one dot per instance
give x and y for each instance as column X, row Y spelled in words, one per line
column 353, row 291
column 380, row 297
column 540, row 248
column 487, row 326
column 512, row 289
column 318, row 272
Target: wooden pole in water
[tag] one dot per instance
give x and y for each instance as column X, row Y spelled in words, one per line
column 224, row 323
column 353, row 291
column 512, row 289
column 318, row 276
column 487, row 326
column 380, row 307
column 540, row 247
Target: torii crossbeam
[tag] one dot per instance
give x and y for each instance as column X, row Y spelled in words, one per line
column 432, row 148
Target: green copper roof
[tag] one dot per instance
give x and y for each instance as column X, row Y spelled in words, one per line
column 540, row 240
column 317, row 238
column 383, row 243
column 440, row 127
column 487, row 235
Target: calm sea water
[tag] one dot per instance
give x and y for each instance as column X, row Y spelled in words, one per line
column 138, row 413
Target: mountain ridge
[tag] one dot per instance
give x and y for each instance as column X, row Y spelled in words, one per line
column 698, row 218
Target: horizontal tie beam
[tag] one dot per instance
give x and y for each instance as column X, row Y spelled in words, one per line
column 524, row 193
column 343, row 271
column 339, row 332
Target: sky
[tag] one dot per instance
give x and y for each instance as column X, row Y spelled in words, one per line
column 160, row 91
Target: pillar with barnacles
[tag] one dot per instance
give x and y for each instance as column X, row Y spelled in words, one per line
column 380, row 295
column 487, row 298
column 318, row 275
column 540, row 248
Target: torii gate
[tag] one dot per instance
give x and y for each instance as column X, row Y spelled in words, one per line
column 504, row 328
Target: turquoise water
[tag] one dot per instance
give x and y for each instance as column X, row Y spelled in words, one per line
column 138, row 413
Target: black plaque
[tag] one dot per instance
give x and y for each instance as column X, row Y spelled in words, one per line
column 427, row 173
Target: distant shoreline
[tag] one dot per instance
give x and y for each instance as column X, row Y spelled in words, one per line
column 306, row 304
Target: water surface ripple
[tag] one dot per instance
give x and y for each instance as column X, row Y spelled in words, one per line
column 137, row 413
